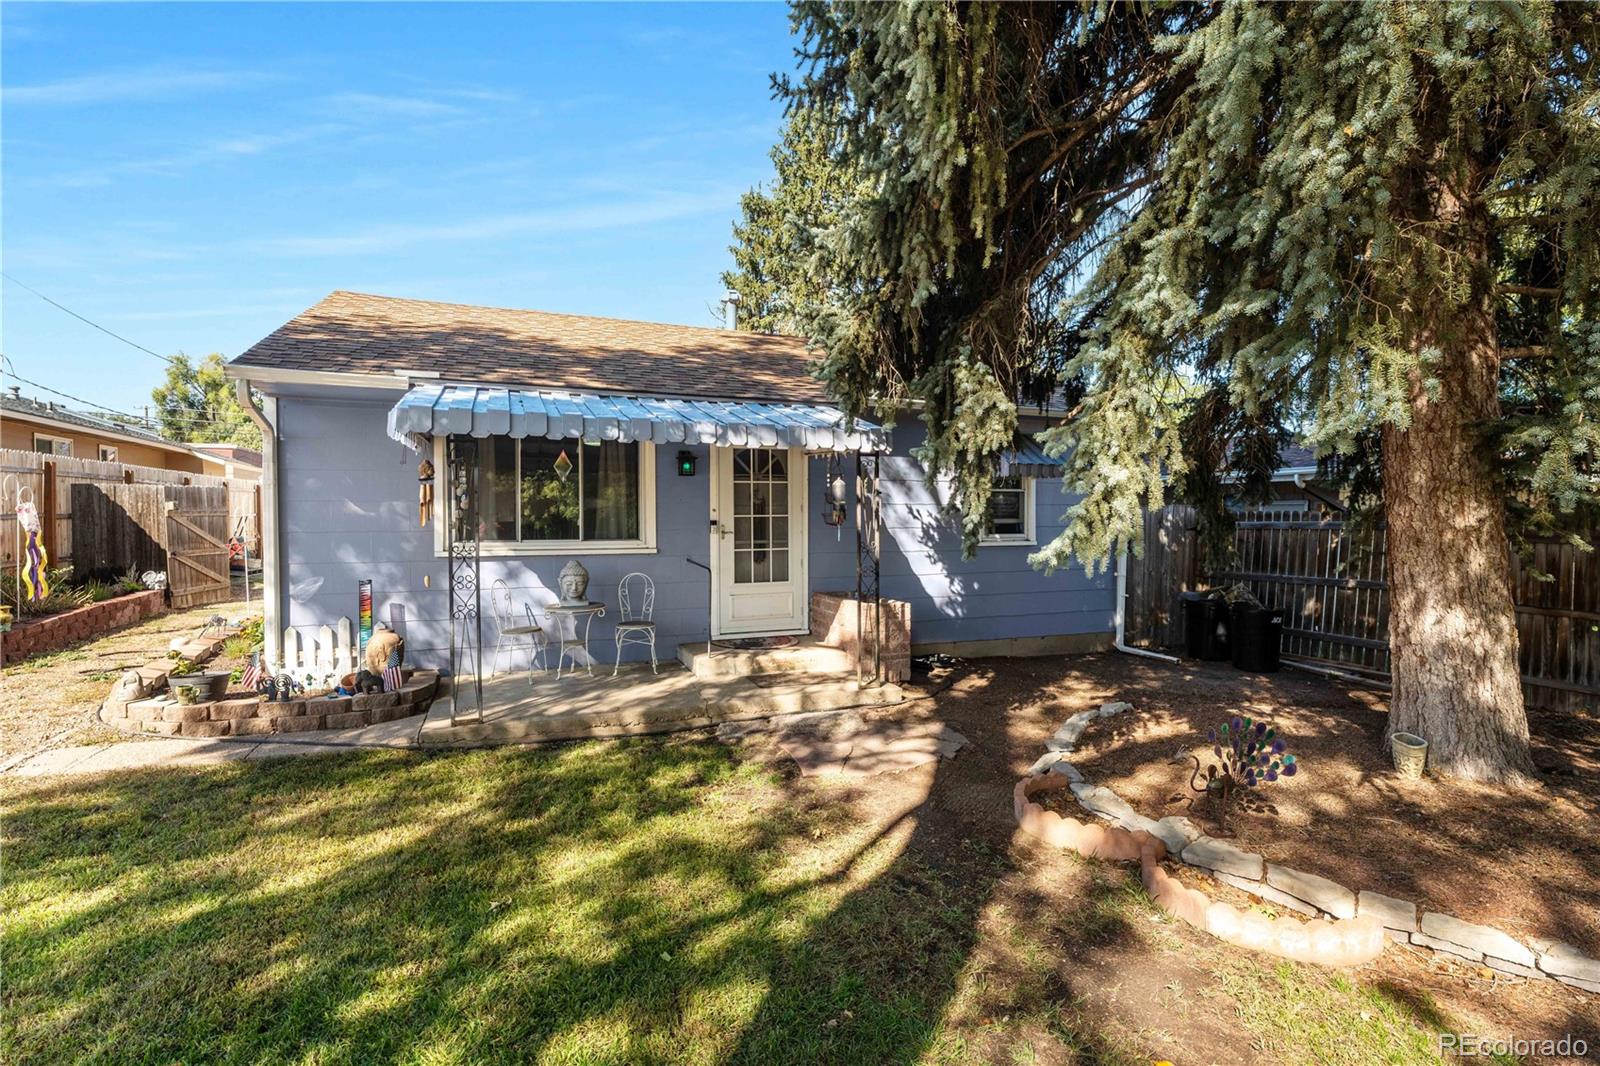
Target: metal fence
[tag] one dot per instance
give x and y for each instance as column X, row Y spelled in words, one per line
column 1331, row 583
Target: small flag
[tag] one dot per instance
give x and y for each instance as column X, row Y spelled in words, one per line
column 391, row 673
column 252, row 673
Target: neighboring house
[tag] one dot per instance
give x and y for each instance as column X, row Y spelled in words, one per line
column 629, row 446
column 30, row 425
column 1295, row 487
column 236, row 460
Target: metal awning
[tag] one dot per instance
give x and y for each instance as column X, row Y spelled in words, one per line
column 443, row 410
column 1029, row 459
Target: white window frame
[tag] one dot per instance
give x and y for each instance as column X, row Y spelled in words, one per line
column 1029, row 534
column 108, row 453
column 644, row 545
column 52, row 450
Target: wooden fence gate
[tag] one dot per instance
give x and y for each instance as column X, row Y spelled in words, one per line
column 1332, row 586
column 197, row 544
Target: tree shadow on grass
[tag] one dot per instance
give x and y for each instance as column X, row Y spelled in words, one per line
column 631, row 902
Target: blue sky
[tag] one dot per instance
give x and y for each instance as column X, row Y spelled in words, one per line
column 192, row 176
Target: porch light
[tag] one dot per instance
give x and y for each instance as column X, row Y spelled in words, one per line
column 686, row 464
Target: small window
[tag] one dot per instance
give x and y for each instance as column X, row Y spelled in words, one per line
column 1010, row 516
column 51, row 445
column 108, row 454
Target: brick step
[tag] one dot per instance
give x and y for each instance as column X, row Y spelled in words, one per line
column 804, row 657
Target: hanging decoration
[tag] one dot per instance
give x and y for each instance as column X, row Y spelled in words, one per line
column 35, row 582
column 563, row 465
column 424, row 491
column 833, row 499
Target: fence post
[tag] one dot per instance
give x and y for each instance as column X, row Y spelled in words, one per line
column 47, row 513
column 127, row 475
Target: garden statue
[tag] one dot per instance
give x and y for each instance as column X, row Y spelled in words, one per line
column 367, row 682
column 574, row 584
column 381, row 647
column 1254, row 755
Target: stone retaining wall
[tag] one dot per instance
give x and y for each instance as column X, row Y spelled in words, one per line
column 241, row 714
column 1295, row 890
column 37, row 636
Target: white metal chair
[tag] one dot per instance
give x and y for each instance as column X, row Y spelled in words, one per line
column 636, row 624
column 511, row 634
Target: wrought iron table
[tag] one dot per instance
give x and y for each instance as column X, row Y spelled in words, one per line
column 572, row 622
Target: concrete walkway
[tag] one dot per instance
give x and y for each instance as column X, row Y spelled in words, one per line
column 176, row 751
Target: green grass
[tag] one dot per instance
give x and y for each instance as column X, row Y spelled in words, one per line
column 603, row 903
column 606, row 903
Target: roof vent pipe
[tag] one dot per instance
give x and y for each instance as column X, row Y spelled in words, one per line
column 730, row 310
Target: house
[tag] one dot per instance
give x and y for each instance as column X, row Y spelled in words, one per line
column 708, row 459
column 31, row 425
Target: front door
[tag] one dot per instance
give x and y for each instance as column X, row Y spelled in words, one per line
column 759, row 530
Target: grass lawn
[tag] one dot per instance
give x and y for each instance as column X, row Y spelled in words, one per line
column 654, row 901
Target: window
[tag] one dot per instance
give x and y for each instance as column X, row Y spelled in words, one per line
column 108, row 454
column 535, row 493
column 51, row 445
column 1010, row 516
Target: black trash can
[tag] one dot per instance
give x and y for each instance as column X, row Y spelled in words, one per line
column 1205, row 626
column 1256, row 634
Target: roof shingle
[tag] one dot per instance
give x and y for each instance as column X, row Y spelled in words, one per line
column 358, row 333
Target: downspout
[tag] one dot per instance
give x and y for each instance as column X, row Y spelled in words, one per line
column 1304, row 486
column 1122, row 599
column 271, row 550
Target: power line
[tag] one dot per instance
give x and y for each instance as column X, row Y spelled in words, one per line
column 137, row 419
column 85, row 321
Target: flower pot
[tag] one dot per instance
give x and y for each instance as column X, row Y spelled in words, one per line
column 214, row 683
column 1410, row 753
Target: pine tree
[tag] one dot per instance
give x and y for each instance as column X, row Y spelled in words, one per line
column 1371, row 223
column 776, row 268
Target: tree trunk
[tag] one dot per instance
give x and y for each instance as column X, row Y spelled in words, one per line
column 1452, row 625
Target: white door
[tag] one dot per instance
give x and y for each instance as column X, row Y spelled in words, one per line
column 760, row 541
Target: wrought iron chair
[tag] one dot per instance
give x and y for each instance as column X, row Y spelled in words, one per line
column 637, row 624
column 511, row 634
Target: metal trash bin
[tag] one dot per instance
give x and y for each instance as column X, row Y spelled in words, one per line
column 1256, row 635
column 1205, row 626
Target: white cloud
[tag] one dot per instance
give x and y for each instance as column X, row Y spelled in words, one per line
column 121, row 86
column 398, row 106
column 215, row 151
column 611, row 213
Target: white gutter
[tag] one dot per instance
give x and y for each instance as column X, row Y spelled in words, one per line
column 271, row 547
column 1122, row 599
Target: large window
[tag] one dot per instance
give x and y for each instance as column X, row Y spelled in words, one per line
column 51, row 445
column 1010, row 516
column 535, row 492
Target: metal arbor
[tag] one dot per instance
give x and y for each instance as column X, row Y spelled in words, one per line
column 462, row 547
column 868, row 558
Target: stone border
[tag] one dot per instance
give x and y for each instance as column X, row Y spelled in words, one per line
column 1344, row 942
column 140, row 703
column 1304, row 892
column 52, row 632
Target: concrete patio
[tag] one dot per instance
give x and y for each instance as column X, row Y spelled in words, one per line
column 575, row 706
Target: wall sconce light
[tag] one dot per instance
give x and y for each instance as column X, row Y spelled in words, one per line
column 686, row 464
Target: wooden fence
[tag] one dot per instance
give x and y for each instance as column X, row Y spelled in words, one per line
column 1331, row 584
column 49, row 481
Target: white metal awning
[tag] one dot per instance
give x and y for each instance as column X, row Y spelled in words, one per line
column 470, row 410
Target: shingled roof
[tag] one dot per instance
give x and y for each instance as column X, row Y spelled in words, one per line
column 357, row 333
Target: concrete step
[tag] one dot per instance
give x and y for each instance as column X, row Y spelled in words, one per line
column 806, row 656
column 722, row 700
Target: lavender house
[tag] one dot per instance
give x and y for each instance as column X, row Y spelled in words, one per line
column 710, row 460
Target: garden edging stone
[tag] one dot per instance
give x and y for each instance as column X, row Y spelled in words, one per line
column 1295, row 889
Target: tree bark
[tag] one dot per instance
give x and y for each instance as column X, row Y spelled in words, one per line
column 1452, row 623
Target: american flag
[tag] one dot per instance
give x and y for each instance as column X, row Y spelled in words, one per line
column 391, row 673
column 252, row 673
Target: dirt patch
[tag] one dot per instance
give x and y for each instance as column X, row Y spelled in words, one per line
column 1525, row 861
column 54, row 700
column 1073, row 961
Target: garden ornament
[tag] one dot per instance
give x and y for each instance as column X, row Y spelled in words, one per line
column 31, row 568
column 574, row 584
